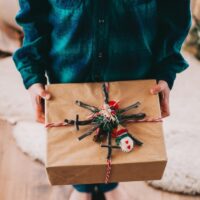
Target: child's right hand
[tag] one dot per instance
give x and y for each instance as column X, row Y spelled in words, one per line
column 38, row 94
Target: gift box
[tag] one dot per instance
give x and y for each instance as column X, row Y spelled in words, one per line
column 73, row 161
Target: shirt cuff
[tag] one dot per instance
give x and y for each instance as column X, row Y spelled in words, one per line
column 168, row 77
column 32, row 78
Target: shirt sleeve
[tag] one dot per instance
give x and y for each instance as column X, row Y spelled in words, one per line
column 174, row 21
column 30, row 58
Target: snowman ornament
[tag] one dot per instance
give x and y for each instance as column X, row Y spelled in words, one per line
column 124, row 140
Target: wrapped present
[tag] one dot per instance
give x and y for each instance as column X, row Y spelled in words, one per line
column 104, row 132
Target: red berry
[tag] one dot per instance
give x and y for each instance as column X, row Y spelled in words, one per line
column 113, row 104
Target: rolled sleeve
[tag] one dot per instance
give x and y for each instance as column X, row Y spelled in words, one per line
column 30, row 59
column 174, row 21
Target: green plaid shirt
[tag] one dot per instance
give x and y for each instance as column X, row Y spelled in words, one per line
column 101, row 40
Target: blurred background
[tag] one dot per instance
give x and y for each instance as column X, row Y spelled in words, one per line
column 22, row 140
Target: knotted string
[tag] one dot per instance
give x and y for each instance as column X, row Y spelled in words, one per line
column 108, row 170
column 146, row 119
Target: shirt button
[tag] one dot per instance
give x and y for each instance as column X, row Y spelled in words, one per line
column 97, row 77
column 101, row 21
column 100, row 54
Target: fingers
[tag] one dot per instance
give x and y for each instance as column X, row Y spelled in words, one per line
column 38, row 94
column 165, row 109
column 39, row 109
column 163, row 90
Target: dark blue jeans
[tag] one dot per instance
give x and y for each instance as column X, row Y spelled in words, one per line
column 89, row 188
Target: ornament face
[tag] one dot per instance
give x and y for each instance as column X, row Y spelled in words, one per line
column 126, row 144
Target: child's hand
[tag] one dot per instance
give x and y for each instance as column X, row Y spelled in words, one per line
column 38, row 93
column 163, row 89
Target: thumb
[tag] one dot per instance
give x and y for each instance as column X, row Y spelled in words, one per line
column 156, row 89
column 40, row 91
column 44, row 94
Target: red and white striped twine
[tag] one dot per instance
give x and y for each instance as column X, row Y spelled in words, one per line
column 56, row 124
column 108, row 170
column 107, row 86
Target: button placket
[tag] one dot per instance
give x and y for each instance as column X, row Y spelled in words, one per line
column 100, row 55
column 101, row 33
column 100, row 36
column 101, row 21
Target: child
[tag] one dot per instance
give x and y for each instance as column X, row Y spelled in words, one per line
column 102, row 40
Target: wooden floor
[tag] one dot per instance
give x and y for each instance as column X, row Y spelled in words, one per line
column 24, row 179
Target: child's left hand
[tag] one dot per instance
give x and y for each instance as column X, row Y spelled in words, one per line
column 162, row 88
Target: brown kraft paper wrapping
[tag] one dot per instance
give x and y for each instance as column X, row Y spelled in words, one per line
column 70, row 161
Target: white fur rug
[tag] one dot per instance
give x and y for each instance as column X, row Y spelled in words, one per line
column 182, row 129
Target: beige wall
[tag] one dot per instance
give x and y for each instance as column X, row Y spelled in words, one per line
column 8, row 10
column 195, row 6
